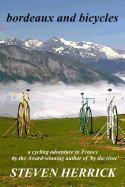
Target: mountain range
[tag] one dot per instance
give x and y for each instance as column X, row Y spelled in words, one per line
column 104, row 57
column 59, row 60
column 80, row 50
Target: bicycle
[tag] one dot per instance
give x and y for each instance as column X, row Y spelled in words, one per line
column 85, row 116
column 23, row 116
column 112, row 119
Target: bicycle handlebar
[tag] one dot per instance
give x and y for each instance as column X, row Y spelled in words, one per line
column 114, row 94
column 17, row 92
column 23, row 93
column 89, row 98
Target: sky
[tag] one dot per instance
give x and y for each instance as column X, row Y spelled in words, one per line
column 103, row 33
column 59, row 100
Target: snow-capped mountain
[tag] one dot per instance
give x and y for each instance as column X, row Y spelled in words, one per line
column 32, row 44
column 76, row 50
column 104, row 57
column 82, row 50
column 17, row 63
column 12, row 41
column 29, row 43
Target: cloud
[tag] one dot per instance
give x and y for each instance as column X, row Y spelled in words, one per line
column 120, row 75
column 58, row 101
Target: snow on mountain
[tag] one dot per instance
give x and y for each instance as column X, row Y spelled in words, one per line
column 31, row 43
column 85, row 45
column 121, row 75
column 17, row 63
column 2, row 41
column 109, row 52
column 27, row 44
column 13, row 41
column 59, row 49
column 75, row 50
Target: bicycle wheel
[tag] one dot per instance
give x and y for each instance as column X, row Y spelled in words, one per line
column 27, row 120
column 82, row 120
column 89, row 121
column 20, row 121
column 115, row 125
column 109, row 130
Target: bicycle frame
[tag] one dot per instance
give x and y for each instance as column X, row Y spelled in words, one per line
column 24, row 101
column 86, row 101
column 23, row 96
column 111, row 114
column 20, row 118
column 84, row 111
column 110, row 123
column 23, row 113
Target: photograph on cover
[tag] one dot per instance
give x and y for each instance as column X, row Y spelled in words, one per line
column 62, row 93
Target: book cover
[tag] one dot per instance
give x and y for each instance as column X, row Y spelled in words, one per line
column 62, row 119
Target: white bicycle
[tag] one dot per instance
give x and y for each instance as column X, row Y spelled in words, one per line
column 112, row 118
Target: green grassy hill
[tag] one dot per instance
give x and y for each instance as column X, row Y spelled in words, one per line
column 59, row 135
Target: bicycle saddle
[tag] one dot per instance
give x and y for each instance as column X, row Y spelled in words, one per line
column 109, row 89
column 82, row 93
column 27, row 90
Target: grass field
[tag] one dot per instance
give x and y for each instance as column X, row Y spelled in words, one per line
column 59, row 135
